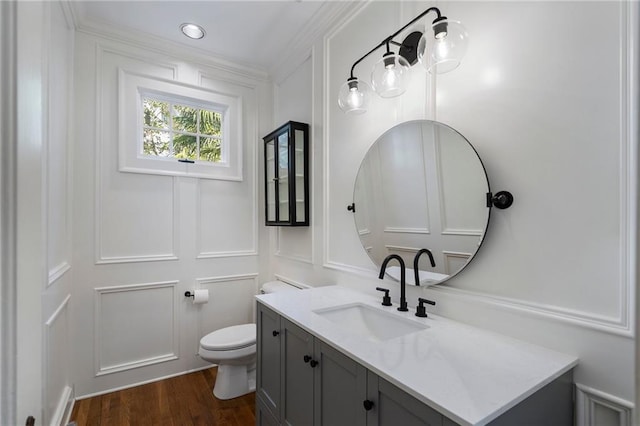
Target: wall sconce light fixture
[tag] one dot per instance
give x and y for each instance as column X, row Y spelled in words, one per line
column 440, row 49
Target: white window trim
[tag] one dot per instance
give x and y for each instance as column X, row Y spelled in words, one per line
column 133, row 87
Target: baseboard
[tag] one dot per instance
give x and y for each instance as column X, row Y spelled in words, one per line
column 63, row 411
column 133, row 385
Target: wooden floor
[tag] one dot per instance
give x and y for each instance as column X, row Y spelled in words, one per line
column 181, row 401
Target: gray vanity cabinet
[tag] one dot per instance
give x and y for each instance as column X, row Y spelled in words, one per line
column 339, row 386
column 268, row 361
column 303, row 381
column 297, row 375
column 393, row 406
column 317, row 384
column 321, row 386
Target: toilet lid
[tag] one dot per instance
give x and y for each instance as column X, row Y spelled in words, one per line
column 234, row 337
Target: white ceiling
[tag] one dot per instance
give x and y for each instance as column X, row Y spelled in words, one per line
column 253, row 33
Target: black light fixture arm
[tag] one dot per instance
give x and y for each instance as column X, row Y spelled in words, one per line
column 389, row 39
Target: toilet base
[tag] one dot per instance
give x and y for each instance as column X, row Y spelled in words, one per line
column 233, row 381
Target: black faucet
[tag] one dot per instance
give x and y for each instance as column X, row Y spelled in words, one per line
column 415, row 263
column 403, row 284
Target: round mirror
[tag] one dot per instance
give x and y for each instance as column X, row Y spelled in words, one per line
column 420, row 186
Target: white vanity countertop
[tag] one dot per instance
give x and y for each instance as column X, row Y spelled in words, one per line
column 467, row 374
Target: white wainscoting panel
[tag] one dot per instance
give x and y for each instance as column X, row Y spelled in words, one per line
column 58, row 134
column 57, row 358
column 454, row 261
column 597, row 408
column 226, row 223
column 295, row 243
column 461, row 213
column 230, row 302
column 135, row 215
column 135, row 325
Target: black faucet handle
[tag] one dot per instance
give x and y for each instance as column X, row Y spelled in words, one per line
column 386, row 299
column 420, row 309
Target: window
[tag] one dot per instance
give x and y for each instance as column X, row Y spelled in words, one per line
column 171, row 128
column 181, row 131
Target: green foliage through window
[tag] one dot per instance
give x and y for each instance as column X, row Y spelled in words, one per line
column 181, row 131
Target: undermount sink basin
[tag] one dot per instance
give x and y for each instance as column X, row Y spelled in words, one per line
column 374, row 324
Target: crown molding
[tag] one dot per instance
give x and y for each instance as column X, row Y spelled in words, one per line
column 330, row 15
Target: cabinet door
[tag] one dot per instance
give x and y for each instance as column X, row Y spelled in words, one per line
column 264, row 417
column 270, row 180
column 297, row 375
column 286, row 173
column 284, row 178
column 268, row 362
column 393, row 406
column 340, row 386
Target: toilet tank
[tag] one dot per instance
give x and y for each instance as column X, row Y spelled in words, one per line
column 276, row 286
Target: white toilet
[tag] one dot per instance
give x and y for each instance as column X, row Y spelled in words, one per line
column 234, row 350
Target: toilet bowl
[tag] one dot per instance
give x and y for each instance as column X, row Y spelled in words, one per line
column 234, row 350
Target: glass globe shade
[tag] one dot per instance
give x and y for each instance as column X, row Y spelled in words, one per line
column 443, row 52
column 354, row 96
column 388, row 76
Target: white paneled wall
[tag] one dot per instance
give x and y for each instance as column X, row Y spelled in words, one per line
column 43, row 301
column 549, row 104
column 58, row 93
column 141, row 241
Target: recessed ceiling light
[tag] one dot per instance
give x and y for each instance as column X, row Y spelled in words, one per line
column 192, row 31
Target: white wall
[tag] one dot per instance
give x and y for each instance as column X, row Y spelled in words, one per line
column 141, row 241
column 546, row 98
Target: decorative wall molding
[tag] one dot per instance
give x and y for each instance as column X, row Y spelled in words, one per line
column 343, row 267
column 407, row 230
column 225, row 278
column 64, row 407
column 221, row 254
column 100, row 292
column 629, row 187
column 293, row 257
column 61, row 313
column 101, row 50
column 462, row 232
column 51, row 118
column 589, row 401
column 58, row 272
column 250, row 133
column 304, row 55
column 61, row 308
column 450, row 256
column 290, row 256
column 291, row 281
column 576, row 317
column 253, row 251
column 330, row 15
column 392, row 248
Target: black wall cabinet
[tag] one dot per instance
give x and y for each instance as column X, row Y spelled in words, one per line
column 286, row 156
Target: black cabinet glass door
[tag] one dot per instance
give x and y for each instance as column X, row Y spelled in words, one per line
column 286, row 175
